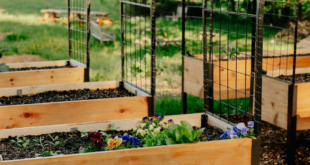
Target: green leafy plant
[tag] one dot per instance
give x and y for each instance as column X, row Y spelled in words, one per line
column 51, row 153
column 183, row 133
column 232, row 51
column 56, row 140
column 22, row 142
column 39, row 142
column 3, row 66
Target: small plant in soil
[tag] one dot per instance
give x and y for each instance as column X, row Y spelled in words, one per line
column 232, row 51
column 55, row 140
column 39, row 142
column 50, row 153
column 22, row 142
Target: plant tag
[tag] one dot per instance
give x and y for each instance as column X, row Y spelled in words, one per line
column 19, row 92
column 73, row 129
column 136, row 93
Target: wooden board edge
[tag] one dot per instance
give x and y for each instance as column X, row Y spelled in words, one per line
column 37, row 64
column 30, row 90
column 135, row 90
column 212, row 152
column 77, row 64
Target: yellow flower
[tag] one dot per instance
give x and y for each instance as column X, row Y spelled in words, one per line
column 153, row 124
column 118, row 141
column 134, row 128
column 142, row 132
column 157, row 130
column 111, row 144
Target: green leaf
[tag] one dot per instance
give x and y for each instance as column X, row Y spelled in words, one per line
column 186, row 125
column 170, row 141
column 46, row 153
column 36, row 155
column 56, row 138
column 185, row 139
column 13, row 141
column 4, row 67
column 19, row 145
column 197, row 134
column 172, row 128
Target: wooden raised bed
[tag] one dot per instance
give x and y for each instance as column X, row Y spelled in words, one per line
column 193, row 75
column 237, row 151
column 43, row 114
column 276, row 101
column 44, row 76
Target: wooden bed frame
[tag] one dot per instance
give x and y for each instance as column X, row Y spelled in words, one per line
column 237, row 151
column 43, row 114
column 44, row 76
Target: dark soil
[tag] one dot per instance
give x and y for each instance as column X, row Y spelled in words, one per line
column 40, row 68
column 300, row 78
column 274, row 141
column 70, row 143
column 72, row 95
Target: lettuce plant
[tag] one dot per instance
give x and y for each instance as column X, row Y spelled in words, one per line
column 3, row 66
column 240, row 131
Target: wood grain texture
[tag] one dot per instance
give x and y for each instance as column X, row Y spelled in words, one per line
column 31, row 90
column 303, row 106
column 72, row 112
column 226, row 81
column 41, row 77
column 274, row 102
column 38, row 64
column 220, row 152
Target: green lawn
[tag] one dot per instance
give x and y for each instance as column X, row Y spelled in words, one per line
column 50, row 40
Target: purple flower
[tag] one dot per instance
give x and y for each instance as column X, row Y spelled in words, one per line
column 233, row 135
column 170, row 122
column 151, row 120
column 245, row 131
column 226, row 134
column 125, row 138
column 161, row 118
column 155, row 117
column 250, row 124
column 145, row 119
column 235, row 129
column 134, row 141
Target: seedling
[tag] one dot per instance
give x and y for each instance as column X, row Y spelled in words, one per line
column 40, row 142
column 3, row 66
column 22, row 143
column 232, row 51
column 55, row 142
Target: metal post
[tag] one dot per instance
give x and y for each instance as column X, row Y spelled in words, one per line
column 69, row 28
column 122, row 45
column 184, row 95
column 258, row 66
column 254, row 26
column 86, row 72
column 153, row 58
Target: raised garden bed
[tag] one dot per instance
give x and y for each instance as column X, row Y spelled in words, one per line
column 38, row 109
column 193, row 74
column 42, row 73
column 276, row 101
column 237, row 151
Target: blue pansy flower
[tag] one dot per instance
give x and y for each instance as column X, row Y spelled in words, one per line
column 226, row 134
column 125, row 138
column 145, row 119
column 151, row 119
column 250, row 124
column 155, row 117
column 235, row 129
column 161, row 118
column 245, row 131
column 134, row 141
column 233, row 135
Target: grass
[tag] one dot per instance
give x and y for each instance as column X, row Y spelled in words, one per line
column 50, row 40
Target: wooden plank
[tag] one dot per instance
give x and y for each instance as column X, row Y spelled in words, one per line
column 135, row 90
column 237, row 151
column 274, row 102
column 33, row 115
column 285, row 63
column 41, row 77
column 37, row 64
column 303, row 106
column 276, row 73
column 31, row 90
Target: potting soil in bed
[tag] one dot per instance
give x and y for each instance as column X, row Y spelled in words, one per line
column 300, row 78
column 72, row 95
column 40, row 68
column 70, row 143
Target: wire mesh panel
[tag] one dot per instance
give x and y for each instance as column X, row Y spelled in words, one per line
column 79, row 34
column 233, row 22
column 138, row 44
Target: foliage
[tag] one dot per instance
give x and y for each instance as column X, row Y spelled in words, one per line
column 22, row 142
column 232, row 51
column 240, row 131
column 95, row 142
column 3, row 66
column 55, row 140
column 39, row 142
column 113, row 128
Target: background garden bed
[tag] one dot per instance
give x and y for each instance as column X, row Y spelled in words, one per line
column 54, row 113
column 42, row 76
